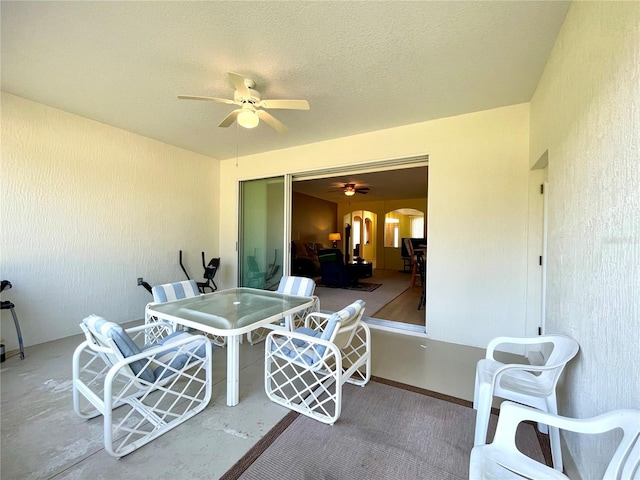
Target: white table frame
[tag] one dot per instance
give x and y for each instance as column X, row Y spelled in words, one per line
column 233, row 334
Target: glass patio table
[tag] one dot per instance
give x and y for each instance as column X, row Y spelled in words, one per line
column 231, row 313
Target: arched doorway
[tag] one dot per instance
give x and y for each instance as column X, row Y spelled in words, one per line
column 362, row 239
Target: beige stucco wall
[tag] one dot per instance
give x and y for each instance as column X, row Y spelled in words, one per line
column 86, row 210
column 586, row 114
column 478, row 196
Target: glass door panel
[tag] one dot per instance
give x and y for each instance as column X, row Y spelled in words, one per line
column 260, row 246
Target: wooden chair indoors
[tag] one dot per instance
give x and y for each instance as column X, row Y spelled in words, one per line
column 413, row 253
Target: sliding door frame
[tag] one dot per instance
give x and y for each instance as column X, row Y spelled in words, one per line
column 354, row 169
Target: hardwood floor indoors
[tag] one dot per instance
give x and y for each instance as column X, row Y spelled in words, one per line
column 395, row 300
column 404, row 308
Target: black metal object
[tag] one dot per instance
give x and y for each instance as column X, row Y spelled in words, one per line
column 210, row 271
column 7, row 305
column 146, row 286
column 422, row 271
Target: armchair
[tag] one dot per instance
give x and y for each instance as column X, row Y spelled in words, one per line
column 334, row 272
column 304, row 258
column 291, row 285
column 501, row 459
column 169, row 292
column 141, row 392
column 533, row 385
column 306, row 369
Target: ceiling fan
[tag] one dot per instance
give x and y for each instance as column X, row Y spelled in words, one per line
column 251, row 105
column 351, row 189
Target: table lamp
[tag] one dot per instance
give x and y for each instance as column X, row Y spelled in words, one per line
column 335, row 238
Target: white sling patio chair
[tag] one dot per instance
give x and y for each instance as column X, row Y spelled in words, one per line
column 141, row 392
column 501, row 459
column 306, row 369
column 169, row 292
column 533, row 385
column 291, row 285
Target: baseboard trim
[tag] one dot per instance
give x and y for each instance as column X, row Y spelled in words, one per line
column 396, row 327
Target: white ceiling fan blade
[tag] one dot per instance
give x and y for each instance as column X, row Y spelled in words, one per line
column 288, row 104
column 239, row 84
column 211, row 99
column 272, row 121
column 229, row 119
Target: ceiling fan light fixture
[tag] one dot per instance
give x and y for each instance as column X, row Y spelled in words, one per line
column 248, row 118
column 248, row 99
column 349, row 193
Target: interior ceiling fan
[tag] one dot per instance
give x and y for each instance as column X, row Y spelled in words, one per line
column 251, row 105
column 350, row 189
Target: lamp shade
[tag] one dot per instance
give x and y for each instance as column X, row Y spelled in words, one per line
column 248, row 118
column 334, row 237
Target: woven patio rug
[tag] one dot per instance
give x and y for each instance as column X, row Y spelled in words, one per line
column 387, row 430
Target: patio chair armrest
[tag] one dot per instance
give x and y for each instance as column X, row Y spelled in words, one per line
column 301, row 336
column 311, row 320
column 151, row 355
column 493, row 344
column 306, row 345
column 497, row 376
column 142, row 328
column 512, row 414
column 152, row 332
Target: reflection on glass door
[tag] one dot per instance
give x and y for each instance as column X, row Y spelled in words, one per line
column 260, row 256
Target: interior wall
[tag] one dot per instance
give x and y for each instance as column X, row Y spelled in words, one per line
column 586, row 113
column 313, row 219
column 86, row 210
column 386, row 258
column 477, row 221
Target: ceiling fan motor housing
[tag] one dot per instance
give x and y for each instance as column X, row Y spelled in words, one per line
column 253, row 99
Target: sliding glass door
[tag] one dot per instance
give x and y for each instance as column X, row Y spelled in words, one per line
column 262, row 229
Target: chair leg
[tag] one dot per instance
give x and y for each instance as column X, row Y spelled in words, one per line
column 483, row 407
column 423, row 296
column 414, row 274
column 554, row 436
column 15, row 320
column 476, row 392
column 482, row 424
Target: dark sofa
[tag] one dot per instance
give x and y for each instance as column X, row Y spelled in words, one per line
column 334, row 272
column 304, row 259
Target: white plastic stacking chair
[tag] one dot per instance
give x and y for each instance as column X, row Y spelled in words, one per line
column 176, row 291
column 141, row 392
column 533, row 385
column 501, row 459
column 306, row 369
column 292, row 285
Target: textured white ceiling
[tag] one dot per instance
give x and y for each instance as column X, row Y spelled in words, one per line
column 389, row 185
column 363, row 66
